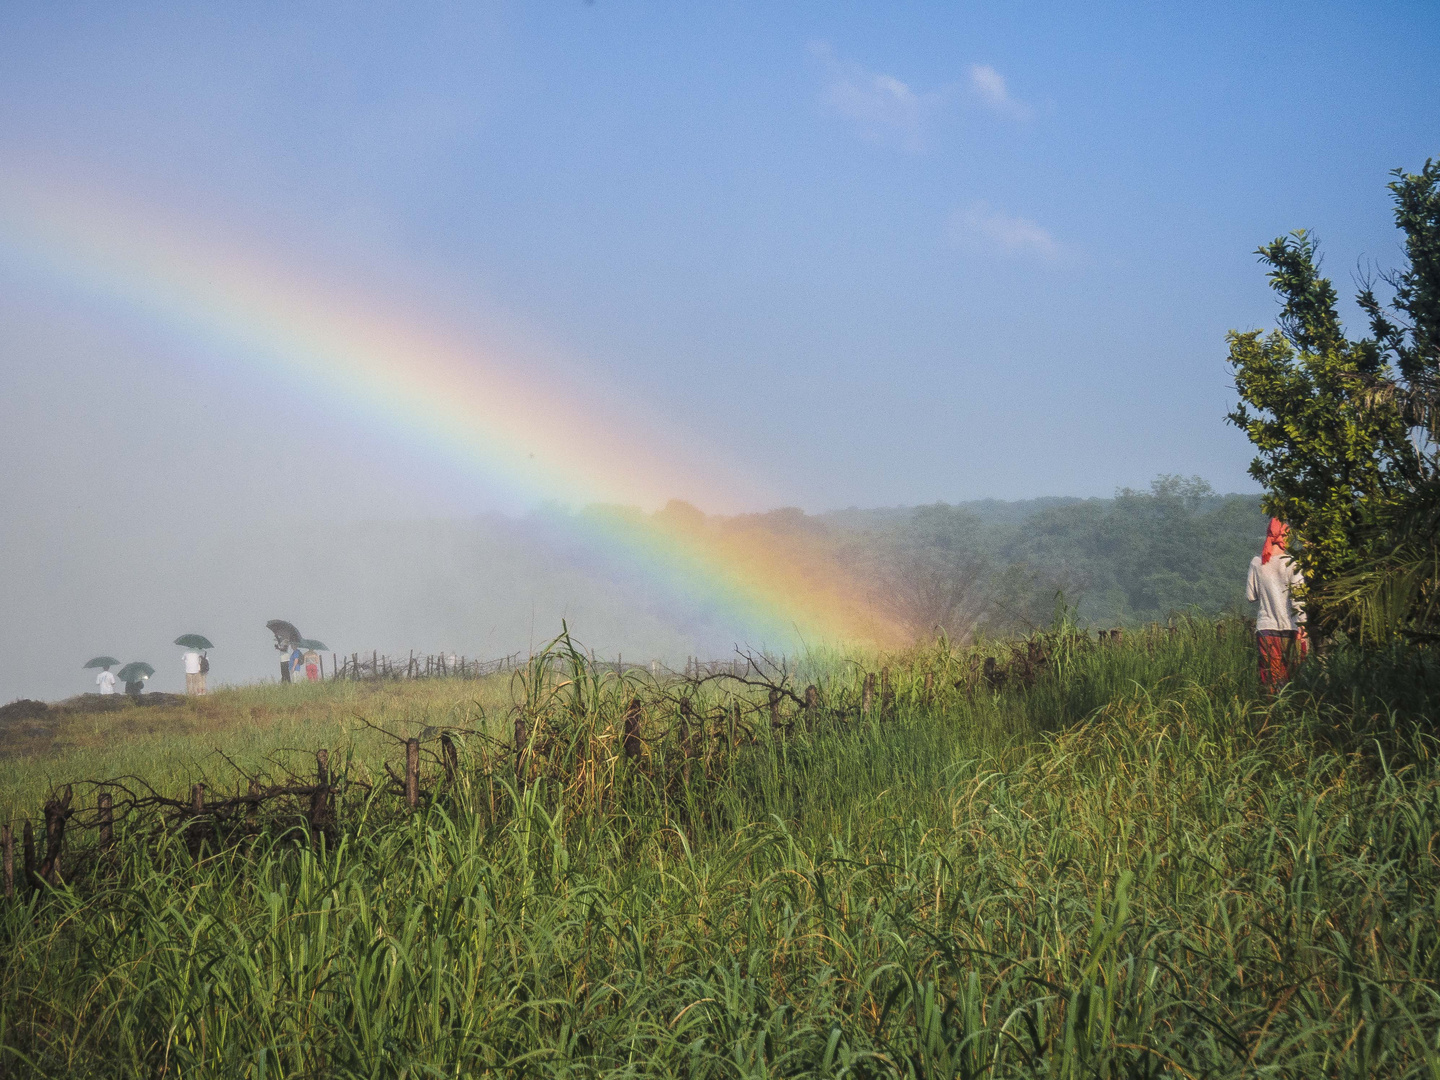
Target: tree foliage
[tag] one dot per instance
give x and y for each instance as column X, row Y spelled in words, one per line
column 1345, row 428
column 934, row 573
column 1001, row 568
column 1138, row 557
column 1398, row 589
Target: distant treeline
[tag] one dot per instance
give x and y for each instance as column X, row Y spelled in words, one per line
column 1000, row 567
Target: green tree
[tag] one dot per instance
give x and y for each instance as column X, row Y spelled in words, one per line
column 932, row 573
column 1397, row 589
column 1335, row 460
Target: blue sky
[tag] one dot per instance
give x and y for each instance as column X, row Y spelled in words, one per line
column 874, row 253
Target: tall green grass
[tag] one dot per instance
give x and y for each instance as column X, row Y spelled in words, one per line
column 1134, row 866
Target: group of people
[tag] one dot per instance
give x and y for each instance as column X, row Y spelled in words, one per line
column 1279, row 625
column 197, row 666
column 307, row 661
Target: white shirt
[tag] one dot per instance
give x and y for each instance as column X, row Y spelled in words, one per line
column 1270, row 584
column 192, row 663
column 106, row 681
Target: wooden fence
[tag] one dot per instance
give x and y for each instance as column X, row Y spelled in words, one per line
column 454, row 666
column 203, row 818
column 428, row 666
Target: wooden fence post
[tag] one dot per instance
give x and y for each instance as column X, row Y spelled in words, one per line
column 686, row 748
column 196, row 832
column 412, row 773
column 450, row 757
column 887, row 693
column 929, row 685
column 7, row 860
column 107, row 819
column 1035, row 660
column 775, row 710
column 632, row 730
column 812, row 705
column 32, row 879
column 320, row 797
column 521, row 737
column 56, row 811
column 867, row 693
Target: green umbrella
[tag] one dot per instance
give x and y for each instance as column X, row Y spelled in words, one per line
column 103, row 661
column 135, row 671
column 193, row 641
column 311, row 643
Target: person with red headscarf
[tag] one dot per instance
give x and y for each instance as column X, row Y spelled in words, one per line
column 1280, row 622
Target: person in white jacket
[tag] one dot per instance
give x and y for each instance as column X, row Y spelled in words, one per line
column 1280, row 621
column 194, row 672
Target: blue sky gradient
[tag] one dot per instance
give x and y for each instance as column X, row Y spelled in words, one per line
column 875, row 253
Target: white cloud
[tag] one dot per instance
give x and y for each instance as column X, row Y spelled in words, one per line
column 981, row 225
column 989, row 85
column 883, row 107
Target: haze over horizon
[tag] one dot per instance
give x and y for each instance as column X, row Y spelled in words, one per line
column 750, row 257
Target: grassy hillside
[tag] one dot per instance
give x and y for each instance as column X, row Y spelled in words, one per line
column 1103, row 861
column 188, row 738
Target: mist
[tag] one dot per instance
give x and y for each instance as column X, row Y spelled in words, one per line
column 143, row 497
column 483, row 588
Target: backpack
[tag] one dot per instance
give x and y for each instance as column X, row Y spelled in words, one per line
column 204, row 665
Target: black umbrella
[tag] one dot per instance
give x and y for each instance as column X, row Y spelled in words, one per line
column 102, row 661
column 286, row 636
column 193, row 641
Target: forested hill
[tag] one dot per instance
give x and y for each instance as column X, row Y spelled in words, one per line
column 1134, row 558
column 494, row 585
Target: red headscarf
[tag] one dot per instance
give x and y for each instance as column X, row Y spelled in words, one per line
column 1275, row 537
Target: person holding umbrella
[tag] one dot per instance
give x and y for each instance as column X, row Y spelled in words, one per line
column 286, row 637
column 196, row 662
column 134, row 675
column 106, row 679
column 311, row 657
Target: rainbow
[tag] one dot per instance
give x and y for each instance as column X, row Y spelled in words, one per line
column 358, row 355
